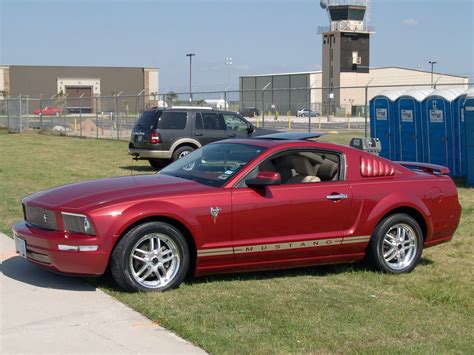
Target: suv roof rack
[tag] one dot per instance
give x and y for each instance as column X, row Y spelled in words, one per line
column 291, row 136
column 193, row 107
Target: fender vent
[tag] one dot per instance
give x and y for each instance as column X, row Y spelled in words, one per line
column 373, row 167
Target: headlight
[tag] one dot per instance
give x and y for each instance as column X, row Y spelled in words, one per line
column 77, row 223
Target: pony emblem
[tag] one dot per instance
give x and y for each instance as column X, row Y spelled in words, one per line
column 214, row 213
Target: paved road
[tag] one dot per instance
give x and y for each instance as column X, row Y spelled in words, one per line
column 42, row 312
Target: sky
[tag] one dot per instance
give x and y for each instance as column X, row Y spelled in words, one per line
column 261, row 36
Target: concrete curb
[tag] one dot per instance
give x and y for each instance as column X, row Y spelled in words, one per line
column 42, row 312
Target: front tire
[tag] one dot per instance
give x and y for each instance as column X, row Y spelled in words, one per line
column 396, row 244
column 152, row 256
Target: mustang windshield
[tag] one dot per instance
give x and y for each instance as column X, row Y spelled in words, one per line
column 213, row 164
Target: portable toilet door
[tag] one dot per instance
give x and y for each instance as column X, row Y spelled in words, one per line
column 458, row 133
column 437, row 127
column 469, row 135
column 382, row 121
column 408, row 127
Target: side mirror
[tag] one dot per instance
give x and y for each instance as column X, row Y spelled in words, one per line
column 264, row 178
column 251, row 129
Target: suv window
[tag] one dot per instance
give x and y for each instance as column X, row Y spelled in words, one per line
column 173, row 120
column 209, row 120
column 148, row 119
column 235, row 123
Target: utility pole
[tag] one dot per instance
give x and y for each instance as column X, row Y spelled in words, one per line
column 190, row 55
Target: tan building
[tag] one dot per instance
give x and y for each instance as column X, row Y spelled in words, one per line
column 45, row 82
column 289, row 91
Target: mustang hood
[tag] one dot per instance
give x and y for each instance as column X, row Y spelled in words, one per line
column 95, row 192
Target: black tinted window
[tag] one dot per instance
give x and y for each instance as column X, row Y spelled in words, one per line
column 148, row 119
column 173, row 120
column 198, row 121
column 211, row 120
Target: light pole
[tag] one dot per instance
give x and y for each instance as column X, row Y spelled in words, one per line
column 432, row 62
column 228, row 63
column 190, row 55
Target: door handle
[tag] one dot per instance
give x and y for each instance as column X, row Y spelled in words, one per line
column 232, row 135
column 198, row 134
column 336, row 197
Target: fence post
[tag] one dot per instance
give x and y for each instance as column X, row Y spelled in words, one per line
column 80, row 115
column 21, row 113
column 289, row 120
column 8, row 116
column 225, row 100
column 117, row 116
column 309, row 108
column 366, row 111
column 96, row 119
column 263, row 109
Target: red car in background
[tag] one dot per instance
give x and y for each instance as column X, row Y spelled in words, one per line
column 276, row 201
column 48, row 111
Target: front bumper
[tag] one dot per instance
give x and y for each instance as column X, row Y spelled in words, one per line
column 149, row 154
column 42, row 249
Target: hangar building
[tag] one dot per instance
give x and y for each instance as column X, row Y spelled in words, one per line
column 44, row 82
column 289, row 91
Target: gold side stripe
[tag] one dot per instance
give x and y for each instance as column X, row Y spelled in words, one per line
column 283, row 246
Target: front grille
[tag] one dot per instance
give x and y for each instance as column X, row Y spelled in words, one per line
column 40, row 217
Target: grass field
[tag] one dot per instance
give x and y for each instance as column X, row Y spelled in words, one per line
column 329, row 309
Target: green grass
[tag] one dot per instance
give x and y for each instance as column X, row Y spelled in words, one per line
column 328, row 309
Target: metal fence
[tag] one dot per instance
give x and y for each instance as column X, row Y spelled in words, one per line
column 113, row 117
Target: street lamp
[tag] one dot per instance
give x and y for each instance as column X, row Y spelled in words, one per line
column 432, row 62
column 228, row 63
column 190, row 55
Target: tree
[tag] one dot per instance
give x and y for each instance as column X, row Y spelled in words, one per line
column 171, row 97
column 201, row 102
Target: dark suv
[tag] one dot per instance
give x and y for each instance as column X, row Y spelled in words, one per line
column 163, row 134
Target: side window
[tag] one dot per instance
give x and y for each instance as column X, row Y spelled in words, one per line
column 301, row 166
column 212, row 121
column 235, row 123
column 173, row 120
column 198, row 121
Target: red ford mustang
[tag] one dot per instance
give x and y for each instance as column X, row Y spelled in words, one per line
column 279, row 201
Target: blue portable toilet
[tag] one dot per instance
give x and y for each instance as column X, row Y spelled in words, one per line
column 382, row 118
column 437, row 127
column 469, row 134
column 408, row 127
column 459, row 136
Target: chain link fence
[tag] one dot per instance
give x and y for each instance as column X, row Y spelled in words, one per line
column 113, row 117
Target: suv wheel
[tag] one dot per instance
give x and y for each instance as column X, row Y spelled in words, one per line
column 182, row 151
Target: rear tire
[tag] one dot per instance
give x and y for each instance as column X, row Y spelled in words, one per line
column 152, row 256
column 396, row 244
column 182, row 151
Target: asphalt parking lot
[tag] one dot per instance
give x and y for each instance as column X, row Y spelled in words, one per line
column 42, row 312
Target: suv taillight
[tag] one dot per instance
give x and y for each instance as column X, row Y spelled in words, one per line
column 155, row 138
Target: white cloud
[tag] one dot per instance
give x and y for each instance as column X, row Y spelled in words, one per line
column 410, row 21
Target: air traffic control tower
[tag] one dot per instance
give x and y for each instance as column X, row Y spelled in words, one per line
column 345, row 49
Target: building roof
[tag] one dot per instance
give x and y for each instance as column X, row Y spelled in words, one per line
column 75, row 66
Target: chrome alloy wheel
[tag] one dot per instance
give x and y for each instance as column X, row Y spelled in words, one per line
column 154, row 260
column 400, row 246
column 182, row 154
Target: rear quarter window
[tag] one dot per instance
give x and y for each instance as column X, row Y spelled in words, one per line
column 148, row 119
column 173, row 120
